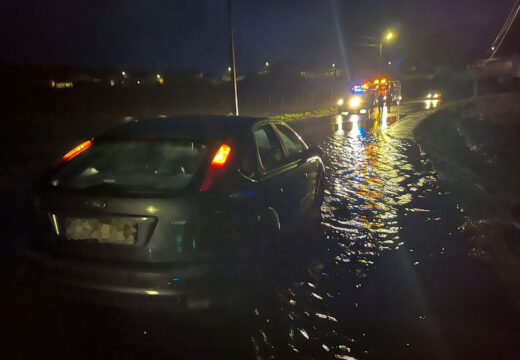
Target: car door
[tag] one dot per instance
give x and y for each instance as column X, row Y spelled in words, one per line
column 304, row 173
column 274, row 178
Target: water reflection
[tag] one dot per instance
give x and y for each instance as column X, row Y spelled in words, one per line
column 339, row 125
column 370, row 181
column 431, row 104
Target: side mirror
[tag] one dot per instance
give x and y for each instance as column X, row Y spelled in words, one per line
column 314, row 150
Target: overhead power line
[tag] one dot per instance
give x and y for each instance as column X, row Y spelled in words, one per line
column 508, row 21
column 505, row 29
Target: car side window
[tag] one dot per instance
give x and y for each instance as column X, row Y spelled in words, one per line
column 291, row 141
column 269, row 148
column 249, row 165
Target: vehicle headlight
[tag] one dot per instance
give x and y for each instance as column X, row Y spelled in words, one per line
column 354, row 102
column 340, row 102
column 429, row 96
column 436, row 95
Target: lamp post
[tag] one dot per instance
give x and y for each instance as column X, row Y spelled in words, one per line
column 232, row 40
column 388, row 36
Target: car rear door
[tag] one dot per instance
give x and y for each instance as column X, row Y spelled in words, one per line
column 304, row 173
column 275, row 174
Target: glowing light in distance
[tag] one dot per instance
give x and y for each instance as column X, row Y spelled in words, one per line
column 354, row 102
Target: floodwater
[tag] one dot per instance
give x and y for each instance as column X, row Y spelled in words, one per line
column 396, row 280
column 390, row 278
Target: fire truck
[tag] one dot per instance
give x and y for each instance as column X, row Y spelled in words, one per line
column 363, row 98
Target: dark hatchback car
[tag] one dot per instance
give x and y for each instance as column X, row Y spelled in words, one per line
column 174, row 208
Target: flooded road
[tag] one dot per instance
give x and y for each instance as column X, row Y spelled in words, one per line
column 389, row 278
column 396, row 281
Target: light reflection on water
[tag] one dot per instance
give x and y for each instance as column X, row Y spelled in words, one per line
column 369, row 183
column 431, row 104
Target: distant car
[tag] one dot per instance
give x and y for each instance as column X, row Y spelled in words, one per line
column 174, row 207
column 434, row 95
column 362, row 103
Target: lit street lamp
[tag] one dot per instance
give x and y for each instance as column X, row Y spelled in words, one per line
column 388, row 36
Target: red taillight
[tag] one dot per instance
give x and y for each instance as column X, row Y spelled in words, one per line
column 77, row 150
column 219, row 161
column 220, row 158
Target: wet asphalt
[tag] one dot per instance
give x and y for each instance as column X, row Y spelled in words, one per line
column 389, row 278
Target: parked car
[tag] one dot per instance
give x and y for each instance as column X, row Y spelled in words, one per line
column 174, row 207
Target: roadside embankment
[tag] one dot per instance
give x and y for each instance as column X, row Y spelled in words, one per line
column 475, row 146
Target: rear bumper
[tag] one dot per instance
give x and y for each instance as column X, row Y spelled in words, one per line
column 186, row 286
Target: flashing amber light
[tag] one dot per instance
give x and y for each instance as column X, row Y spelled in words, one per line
column 77, row 150
column 366, row 86
column 221, row 156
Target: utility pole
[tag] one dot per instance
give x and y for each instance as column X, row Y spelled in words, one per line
column 234, row 69
column 475, row 81
column 380, row 63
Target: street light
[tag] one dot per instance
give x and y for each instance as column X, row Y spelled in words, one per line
column 388, row 36
column 267, row 64
column 123, row 73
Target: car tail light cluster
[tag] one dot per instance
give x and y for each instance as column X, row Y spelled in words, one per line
column 215, row 170
column 76, row 151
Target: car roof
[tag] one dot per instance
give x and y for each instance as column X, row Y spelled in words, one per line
column 201, row 127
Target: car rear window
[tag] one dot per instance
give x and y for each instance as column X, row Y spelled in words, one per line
column 134, row 166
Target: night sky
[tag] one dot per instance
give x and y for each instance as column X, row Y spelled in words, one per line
column 168, row 35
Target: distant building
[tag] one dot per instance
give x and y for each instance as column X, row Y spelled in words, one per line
column 496, row 75
column 332, row 73
column 505, row 69
column 61, row 85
